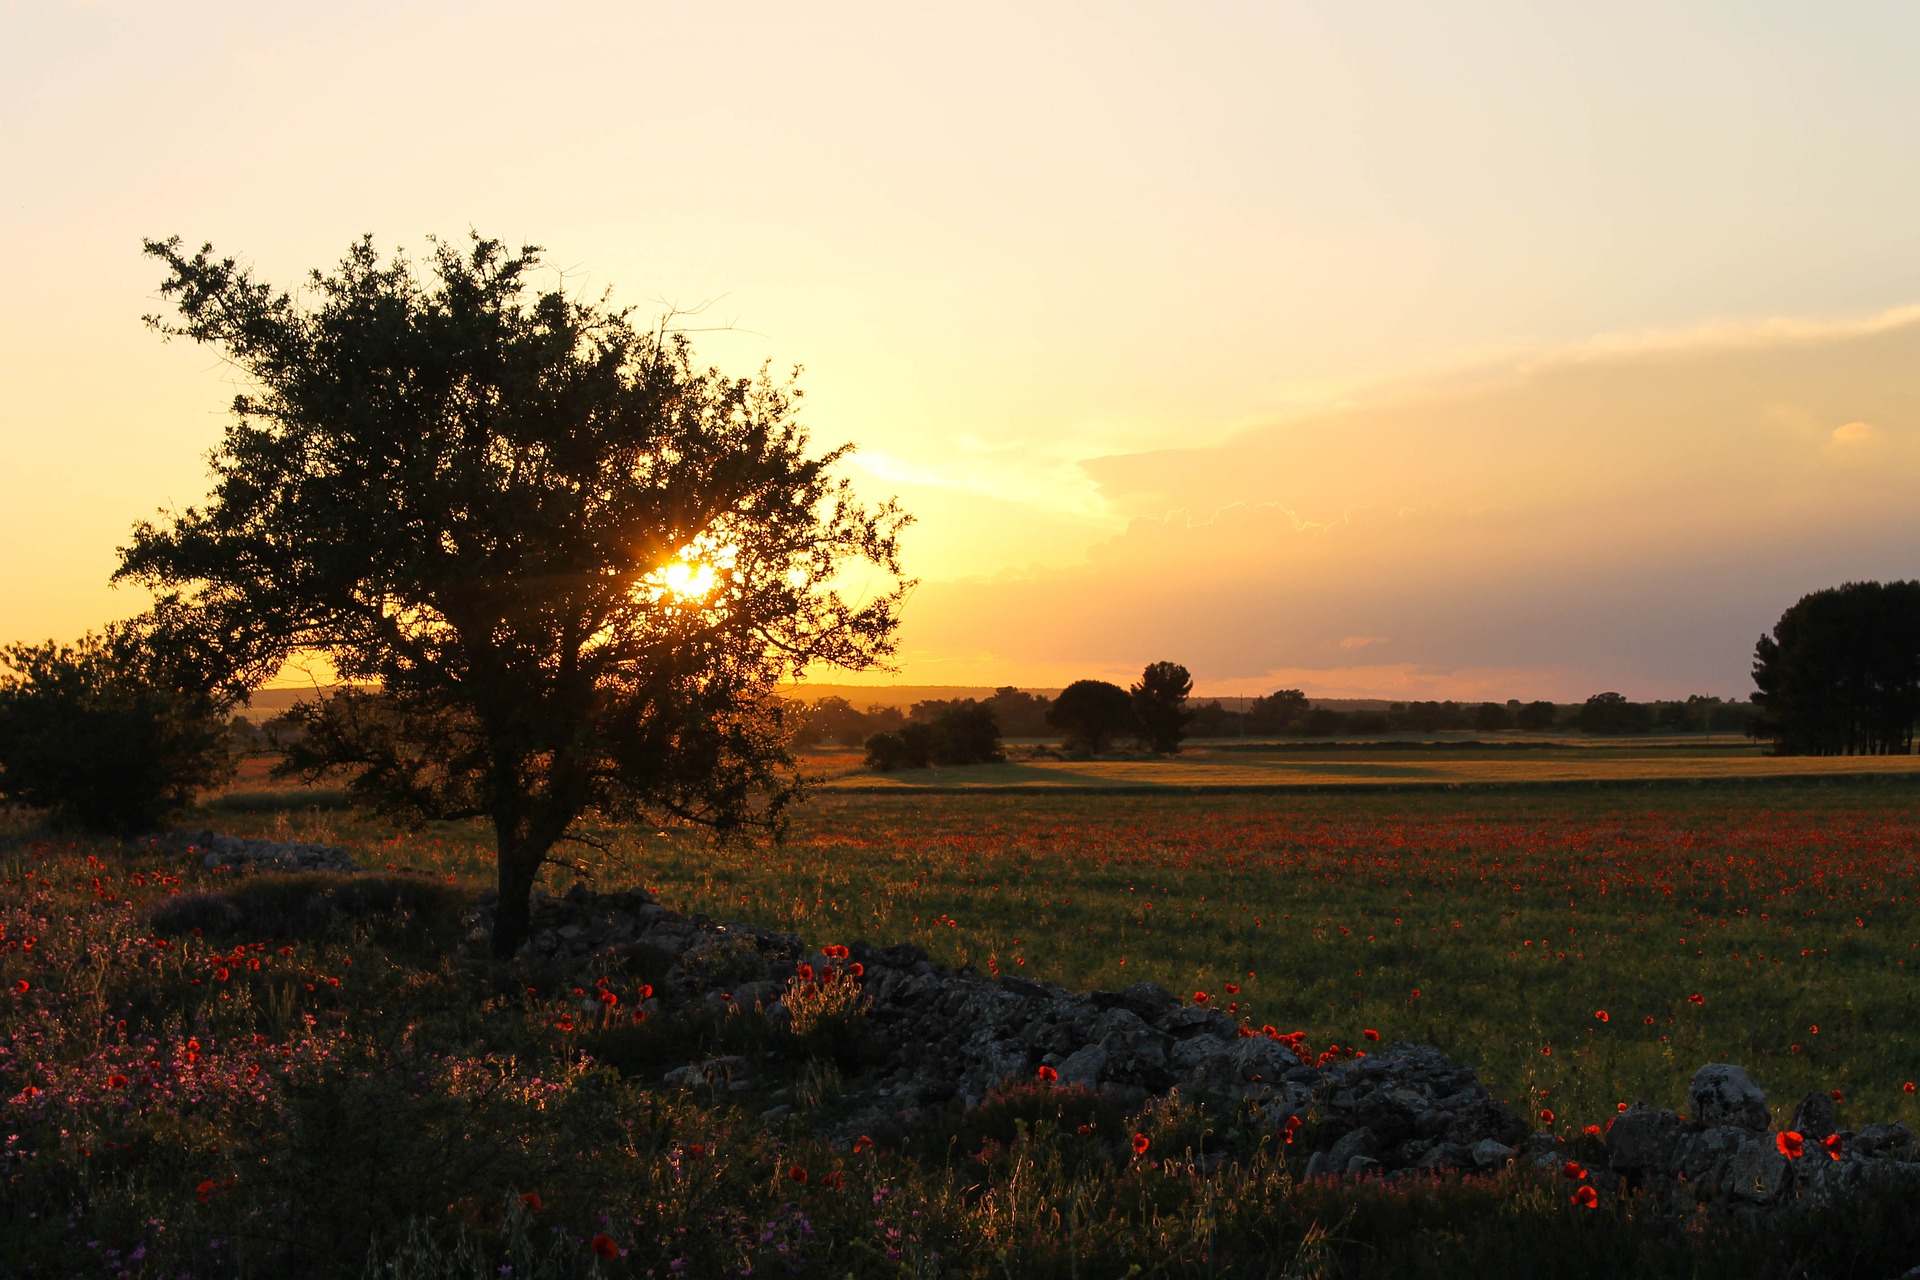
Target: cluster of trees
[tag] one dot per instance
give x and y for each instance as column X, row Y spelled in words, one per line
column 1090, row 715
column 1840, row 673
column 834, row 719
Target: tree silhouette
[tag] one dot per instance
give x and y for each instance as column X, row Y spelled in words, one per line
column 1091, row 713
column 1159, row 706
column 117, row 731
column 568, row 567
column 1611, row 713
column 1840, row 675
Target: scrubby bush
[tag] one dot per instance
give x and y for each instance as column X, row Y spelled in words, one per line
column 959, row 732
column 115, row 732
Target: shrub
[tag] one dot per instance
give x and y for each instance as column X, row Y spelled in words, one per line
column 115, row 732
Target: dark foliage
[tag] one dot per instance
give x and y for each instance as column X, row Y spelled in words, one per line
column 1159, row 706
column 1021, row 714
column 395, row 911
column 1536, row 717
column 1611, row 713
column 116, row 732
column 1281, row 711
column 1091, row 714
column 1840, row 675
column 573, row 565
column 959, row 732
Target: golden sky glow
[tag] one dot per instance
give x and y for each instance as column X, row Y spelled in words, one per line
column 1396, row 348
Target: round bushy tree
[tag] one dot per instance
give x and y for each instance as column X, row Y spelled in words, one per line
column 1091, row 713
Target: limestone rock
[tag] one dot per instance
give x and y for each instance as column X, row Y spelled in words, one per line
column 1724, row 1094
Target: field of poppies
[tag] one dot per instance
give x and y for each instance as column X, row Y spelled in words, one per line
column 334, row 1094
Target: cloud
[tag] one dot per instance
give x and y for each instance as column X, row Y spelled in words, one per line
column 1854, row 433
column 1628, row 513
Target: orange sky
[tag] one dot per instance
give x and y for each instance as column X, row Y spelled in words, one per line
column 1380, row 349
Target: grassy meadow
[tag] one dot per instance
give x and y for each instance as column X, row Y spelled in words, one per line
column 344, row 1098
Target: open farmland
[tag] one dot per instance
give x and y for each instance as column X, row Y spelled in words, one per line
column 1777, row 927
column 1384, row 766
column 344, row 1099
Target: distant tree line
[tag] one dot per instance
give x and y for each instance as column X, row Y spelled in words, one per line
column 1289, row 713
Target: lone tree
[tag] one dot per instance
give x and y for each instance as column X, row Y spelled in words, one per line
column 1841, row 672
column 1159, row 706
column 1091, row 713
column 565, row 567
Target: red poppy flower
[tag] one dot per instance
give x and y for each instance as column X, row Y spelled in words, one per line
column 1140, row 1144
column 1837, row 1096
column 1696, row 998
column 222, row 974
column 1573, row 1170
column 697, row 1151
column 1907, row 1087
column 805, row 971
column 797, row 1174
column 1586, row 1197
column 1047, row 1074
column 1620, row 1106
column 1546, row 1115
column 1084, row 1130
column 832, row 1180
column 1832, row 1144
column 1232, row 989
column 609, row 999
column 862, row 1143
column 207, row 1190
column 604, row 1247
column 1600, row 1014
column 23, row 986
column 1201, row 997
column 1789, row 1144
column 858, row 970
column 1370, row 1034
column 1592, row 1131
column 116, row 1081
column 532, row 1200
column 645, row 992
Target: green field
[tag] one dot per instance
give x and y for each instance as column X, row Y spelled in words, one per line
column 339, row 1096
column 1518, row 915
column 1384, row 765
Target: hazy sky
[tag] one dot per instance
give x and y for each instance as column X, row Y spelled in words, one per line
column 1475, row 349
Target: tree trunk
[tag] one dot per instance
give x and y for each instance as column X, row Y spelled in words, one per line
column 519, row 865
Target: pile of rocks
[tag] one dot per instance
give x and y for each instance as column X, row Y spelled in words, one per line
column 957, row 1035
column 1725, row 1149
column 242, row 853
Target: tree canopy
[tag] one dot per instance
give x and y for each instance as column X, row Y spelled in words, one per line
column 570, row 565
column 1840, row 674
column 1159, row 706
column 117, row 731
column 1091, row 713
